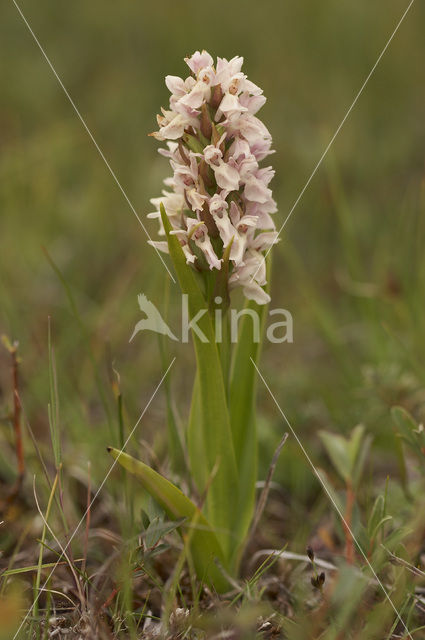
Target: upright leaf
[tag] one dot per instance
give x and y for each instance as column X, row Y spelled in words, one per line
column 217, row 436
column 337, row 449
column 242, row 395
column 201, row 539
column 411, row 433
column 177, row 454
column 195, row 438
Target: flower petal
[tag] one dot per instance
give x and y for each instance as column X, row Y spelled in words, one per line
column 256, row 190
column 254, row 292
column 198, row 61
column 227, row 177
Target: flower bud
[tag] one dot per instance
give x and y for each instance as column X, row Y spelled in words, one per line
column 206, row 126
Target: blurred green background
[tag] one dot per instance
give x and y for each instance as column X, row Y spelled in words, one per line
column 350, row 267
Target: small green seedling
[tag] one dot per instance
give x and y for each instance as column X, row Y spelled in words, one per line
column 348, row 456
column 411, row 434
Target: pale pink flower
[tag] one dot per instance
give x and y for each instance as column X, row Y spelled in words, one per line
column 227, row 176
column 226, row 70
column 229, row 106
column 241, row 237
column 196, row 199
column 172, row 126
column 264, row 241
column 218, row 205
column 173, row 203
column 200, row 92
column 176, row 86
column 252, row 277
column 199, row 61
column 161, row 245
column 198, row 233
column 190, row 257
column 218, row 194
column 256, row 190
column 219, row 210
column 212, row 155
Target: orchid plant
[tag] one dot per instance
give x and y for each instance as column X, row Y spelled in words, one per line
column 215, row 219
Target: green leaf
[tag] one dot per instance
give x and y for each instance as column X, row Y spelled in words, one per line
column 221, row 287
column 32, row 567
column 337, row 449
column 243, row 375
column 410, row 432
column 402, row 464
column 242, row 406
column 379, row 526
column 359, row 462
column 354, row 444
column 193, row 143
column 218, row 454
column 405, row 423
column 242, row 395
column 157, row 529
column 201, row 539
column 347, row 455
column 195, row 441
column 177, row 454
column 376, row 515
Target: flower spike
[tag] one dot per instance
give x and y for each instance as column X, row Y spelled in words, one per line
column 218, row 194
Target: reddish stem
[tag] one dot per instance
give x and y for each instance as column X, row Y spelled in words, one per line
column 17, row 416
column 349, row 542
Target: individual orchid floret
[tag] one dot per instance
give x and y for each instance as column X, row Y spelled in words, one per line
column 218, row 199
column 199, row 61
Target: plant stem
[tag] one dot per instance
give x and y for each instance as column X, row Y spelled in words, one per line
column 17, row 418
column 349, row 544
column 224, row 349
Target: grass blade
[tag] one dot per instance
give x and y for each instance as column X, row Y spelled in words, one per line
column 203, row 543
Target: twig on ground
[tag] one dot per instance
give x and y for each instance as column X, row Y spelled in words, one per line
column 289, row 555
column 349, row 542
column 265, row 492
column 400, row 561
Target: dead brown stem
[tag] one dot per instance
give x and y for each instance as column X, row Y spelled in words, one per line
column 16, row 418
column 349, row 543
